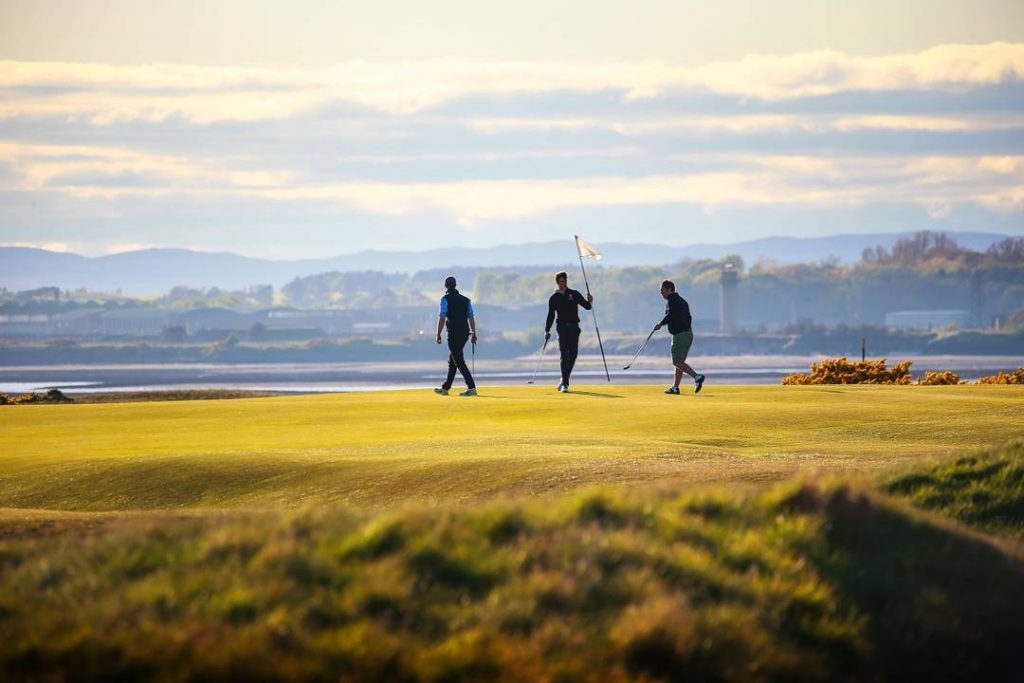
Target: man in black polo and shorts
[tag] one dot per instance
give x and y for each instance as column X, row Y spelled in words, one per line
column 456, row 313
column 565, row 303
column 677, row 317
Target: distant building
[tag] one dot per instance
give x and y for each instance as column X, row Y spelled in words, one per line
column 927, row 320
column 728, row 299
column 130, row 322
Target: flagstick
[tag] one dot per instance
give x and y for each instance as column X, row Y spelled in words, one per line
column 592, row 311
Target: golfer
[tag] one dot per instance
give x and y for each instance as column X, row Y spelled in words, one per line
column 565, row 304
column 457, row 313
column 677, row 317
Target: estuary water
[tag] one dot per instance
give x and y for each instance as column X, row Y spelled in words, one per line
column 376, row 376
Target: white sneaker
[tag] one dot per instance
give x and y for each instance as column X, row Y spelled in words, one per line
column 468, row 392
column 563, row 388
column 442, row 392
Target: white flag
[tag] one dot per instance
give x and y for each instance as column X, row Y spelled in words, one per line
column 587, row 249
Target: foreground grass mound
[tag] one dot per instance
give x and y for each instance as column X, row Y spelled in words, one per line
column 984, row 489
column 806, row 581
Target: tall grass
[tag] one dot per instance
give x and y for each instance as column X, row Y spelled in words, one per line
column 809, row 580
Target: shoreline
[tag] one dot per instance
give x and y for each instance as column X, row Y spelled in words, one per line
column 301, row 378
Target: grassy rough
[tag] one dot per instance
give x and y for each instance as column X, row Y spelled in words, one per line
column 984, row 489
column 806, row 581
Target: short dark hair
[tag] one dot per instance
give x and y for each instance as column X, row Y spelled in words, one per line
column 561, row 276
column 669, row 285
column 449, row 282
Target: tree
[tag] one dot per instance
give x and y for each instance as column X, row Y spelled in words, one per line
column 257, row 332
column 175, row 334
column 1010, row 250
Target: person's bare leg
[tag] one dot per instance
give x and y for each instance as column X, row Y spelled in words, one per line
column 684, row 367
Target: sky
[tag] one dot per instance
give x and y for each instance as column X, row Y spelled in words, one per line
column 310, row 129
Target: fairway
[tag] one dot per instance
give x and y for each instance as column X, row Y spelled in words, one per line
column 374, row 450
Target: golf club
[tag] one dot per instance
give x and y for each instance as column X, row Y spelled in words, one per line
column 539, row 359
column 641, row 350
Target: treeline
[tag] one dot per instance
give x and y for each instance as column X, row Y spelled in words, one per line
column 376, row 289
column 927, row 271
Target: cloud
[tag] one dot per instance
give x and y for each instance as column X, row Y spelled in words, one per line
column 85, row 170
column 107, row 93
column 62, row 247
column 401, row 152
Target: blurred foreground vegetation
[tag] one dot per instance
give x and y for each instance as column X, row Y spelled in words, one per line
column 809, row 580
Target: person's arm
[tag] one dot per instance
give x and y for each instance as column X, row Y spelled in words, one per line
column 672, row 305
column 472, row 329
column 587, row 303
column 551, row 318
column 441, row 317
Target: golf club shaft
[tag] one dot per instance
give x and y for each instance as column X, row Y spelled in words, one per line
column 640, row 350
column 539, row 359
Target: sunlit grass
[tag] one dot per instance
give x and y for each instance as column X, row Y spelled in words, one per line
column 984, row 490
column 381, row 449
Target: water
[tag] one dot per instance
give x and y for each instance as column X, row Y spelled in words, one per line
column 376, row 376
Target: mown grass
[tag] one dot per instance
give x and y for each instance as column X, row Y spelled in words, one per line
column 383, row 449
column 809, row 580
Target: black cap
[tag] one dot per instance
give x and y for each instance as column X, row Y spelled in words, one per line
column 449, row 282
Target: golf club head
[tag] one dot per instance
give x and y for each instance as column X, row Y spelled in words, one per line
column 627, row 367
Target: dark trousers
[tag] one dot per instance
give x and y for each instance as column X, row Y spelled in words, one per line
column 457, row 360
column 569, row 347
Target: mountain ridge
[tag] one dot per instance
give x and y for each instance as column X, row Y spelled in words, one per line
column 155, row 271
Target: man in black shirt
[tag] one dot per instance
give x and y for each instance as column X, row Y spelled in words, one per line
column 456, row 313
column 565, row 303
column 677, row 317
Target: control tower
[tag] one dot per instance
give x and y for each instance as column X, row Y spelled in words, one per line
column 728, row 301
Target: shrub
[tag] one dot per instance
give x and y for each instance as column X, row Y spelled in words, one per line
column 51, row 396
column 937, row 377
column 1015, row 377
column 841, row 371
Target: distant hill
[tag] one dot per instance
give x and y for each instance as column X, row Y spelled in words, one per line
column 155, row 271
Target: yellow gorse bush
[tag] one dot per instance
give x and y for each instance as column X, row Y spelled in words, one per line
column 939, row 377
column 842, row 371
column 1015, row 377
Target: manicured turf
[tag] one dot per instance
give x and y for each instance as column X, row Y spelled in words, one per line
column 379, row 449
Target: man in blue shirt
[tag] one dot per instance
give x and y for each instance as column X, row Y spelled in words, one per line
column 456, row 312
column 677, row 317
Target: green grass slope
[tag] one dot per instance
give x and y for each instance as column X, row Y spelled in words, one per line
column 381, row 449
column 810, row 580
column 984, row 489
